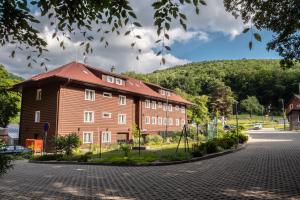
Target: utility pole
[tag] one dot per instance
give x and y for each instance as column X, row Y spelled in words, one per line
column 283, row 114
column 237, row 122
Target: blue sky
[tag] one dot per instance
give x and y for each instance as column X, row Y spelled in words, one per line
column 222, row 47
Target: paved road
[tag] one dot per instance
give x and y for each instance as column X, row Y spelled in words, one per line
column 269, row 168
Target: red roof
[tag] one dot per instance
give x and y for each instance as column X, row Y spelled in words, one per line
column 84, row 73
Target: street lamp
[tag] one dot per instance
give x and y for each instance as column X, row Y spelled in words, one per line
column 237, row 122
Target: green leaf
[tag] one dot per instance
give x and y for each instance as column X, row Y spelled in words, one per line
column 127, row 32
column 137, row 24
column 250, row 45
column 168, row 48
column 246, row 30
column 257, row 37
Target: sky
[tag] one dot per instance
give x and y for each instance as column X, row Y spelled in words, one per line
column 212, row 35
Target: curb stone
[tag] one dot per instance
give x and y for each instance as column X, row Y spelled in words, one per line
column 195, row 159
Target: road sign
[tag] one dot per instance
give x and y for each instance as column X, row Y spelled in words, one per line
column 46, row 126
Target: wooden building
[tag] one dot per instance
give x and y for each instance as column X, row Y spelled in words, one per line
column 97, row 105
column 293, row 112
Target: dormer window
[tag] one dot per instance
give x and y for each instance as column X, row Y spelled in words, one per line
column 162, row 92
column 168, row 93
column 291, row 106
column 39, row 94
column 110, row 79
column 119, row 81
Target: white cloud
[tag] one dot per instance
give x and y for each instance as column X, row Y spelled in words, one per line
column 212, row 18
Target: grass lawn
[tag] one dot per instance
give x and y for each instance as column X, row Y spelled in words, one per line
column 162, row 153
column 247, row 122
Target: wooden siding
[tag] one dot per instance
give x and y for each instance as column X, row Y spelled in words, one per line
column 159, row 112
column 47, row 107
column 72, row 107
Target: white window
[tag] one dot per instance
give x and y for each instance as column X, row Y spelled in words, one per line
column 88, row 116
column 37, row 116
column 153, row 120
column 291, row 106
column 159, row 121
column 147, row 104
column 165, row 107
column 106, row 137
column 119, row 81
column 162, row 92
column 168, row 93
column 106, row 115
column 110, row 79
column 170, row 121
column 177, row 122
column 170, row 107
column 122, row 119
column 39, row 94
column 153, row 104
column 87, row 137
column 159, row 105
column 107, row 94
column 90, row 95
column 182, row 122
column 176, row 107
column 147, row 120
column 165, row 121
column 182, row 109
column 122, row 100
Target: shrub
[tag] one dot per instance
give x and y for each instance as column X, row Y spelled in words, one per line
column 67, row 143
column 126, row 149
column 211, row 146
column 48, row 157
column 154, row 139
column 5, row 161
column 85, row 157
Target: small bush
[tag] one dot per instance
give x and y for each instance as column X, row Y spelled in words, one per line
column 126, row 148
column 154, row 139
column 211, row 146
column 85, row 157
column 47, row 157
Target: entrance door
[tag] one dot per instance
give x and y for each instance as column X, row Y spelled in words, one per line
column 122, row 137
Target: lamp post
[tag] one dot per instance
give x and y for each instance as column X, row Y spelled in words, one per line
column 237, row 121
column 283, row 114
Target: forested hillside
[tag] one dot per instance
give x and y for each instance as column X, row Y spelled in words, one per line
column 9, row 101
column 264, row 79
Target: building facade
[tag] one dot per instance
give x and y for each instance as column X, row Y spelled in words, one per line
column 98, row 105
column 293, row 112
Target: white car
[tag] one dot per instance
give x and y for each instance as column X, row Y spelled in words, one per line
column 257, row 126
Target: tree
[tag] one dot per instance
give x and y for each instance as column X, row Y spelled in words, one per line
column 8, row 108
column 251, row 105
column 5, row 161
column 221, row 99
column 282, row 17
column 198, row 113
column 19, row 25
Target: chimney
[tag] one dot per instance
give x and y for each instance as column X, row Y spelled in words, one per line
column 113, row 69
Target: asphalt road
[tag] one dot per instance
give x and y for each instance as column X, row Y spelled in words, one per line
column 268, row 168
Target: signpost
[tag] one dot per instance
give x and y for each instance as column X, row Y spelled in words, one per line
column 46, row 129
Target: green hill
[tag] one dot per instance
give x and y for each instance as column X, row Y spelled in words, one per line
column 264, row 79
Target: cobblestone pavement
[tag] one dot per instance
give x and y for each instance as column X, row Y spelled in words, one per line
column 269, row 168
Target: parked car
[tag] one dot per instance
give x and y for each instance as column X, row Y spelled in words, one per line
column 257, row 126
column 15, row 150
